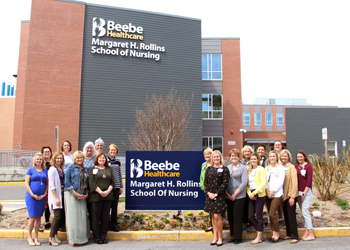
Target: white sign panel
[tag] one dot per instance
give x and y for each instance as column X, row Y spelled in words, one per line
column 324, row 134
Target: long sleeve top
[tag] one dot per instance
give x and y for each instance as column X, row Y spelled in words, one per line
column 202, row 176
column 259, row 181
column 304, row 181
column 290, row 186
column 54, row 184
column 102, row 179
column 238, row 180
column 275, row 179
column 216, row 180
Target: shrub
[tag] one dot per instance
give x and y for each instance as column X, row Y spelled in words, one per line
column 329, row 173
column 343, row 204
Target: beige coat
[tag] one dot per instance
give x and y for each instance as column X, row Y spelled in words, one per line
column 290, row 185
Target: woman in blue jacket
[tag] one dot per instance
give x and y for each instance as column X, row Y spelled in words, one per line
column 75, row 196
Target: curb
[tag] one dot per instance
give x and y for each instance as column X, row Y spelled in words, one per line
column 13, row 183
column 180, row 235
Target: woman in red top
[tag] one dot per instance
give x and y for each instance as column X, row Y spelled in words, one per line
column 304, row 173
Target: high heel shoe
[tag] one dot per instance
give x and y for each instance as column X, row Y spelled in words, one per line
column 52, row 241
column 36, row 241
column 31, row 242
column 57, row 239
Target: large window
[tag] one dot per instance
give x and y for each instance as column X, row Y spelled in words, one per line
column 246, row 118
column 214, row 143
column 257, row 119
column 211, row 106
column 279, row 119
column 211, row 67
column 268, row 118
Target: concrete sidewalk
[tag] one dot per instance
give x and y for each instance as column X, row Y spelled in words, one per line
column 179, row 235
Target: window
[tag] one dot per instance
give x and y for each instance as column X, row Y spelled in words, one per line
column 257, row 119
column 268, row 118
column 211, row 106
column 246, row 118
column 211, row 67
column 214, row 143
column 332, row 148
column 279, row 119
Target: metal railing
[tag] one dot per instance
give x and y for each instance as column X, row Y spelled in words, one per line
column 16, row 158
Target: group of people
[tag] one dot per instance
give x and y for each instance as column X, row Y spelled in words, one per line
column 79, row 189
column 251, row 182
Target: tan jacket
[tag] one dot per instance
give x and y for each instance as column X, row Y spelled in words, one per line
column 290, row 185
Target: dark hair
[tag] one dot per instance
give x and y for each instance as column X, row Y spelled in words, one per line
column 98, row 156
column 70, row 145
column 304, row 154
column 261, row 145
column 42, row 149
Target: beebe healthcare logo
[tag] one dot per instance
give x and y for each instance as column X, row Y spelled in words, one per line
column 135, row 168
column 101, row 27
column 153, row 169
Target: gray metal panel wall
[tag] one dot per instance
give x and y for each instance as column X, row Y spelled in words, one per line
column 114, row 86
column 212, row 87
column 211, row 46
column 213, row 128
column 304, row 128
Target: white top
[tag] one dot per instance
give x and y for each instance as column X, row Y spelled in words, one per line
column 275, row 179
column 251, row 179
column 54, row 183
column 68, row 160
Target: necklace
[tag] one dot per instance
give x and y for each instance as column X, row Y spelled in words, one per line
column 41, row 178
column 103, row 172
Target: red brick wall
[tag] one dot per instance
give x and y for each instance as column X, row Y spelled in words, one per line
column 232, row 97
column 52, row 76
column 21, row 79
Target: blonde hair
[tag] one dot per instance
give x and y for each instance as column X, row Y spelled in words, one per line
column 208, row 151
column 286, row 151
column 34, row 160
column 221, row 158
column 76, row 154
column 268, row 159
column 250, row 167
column 113, row 146
column 245, row 148
column 54, row 157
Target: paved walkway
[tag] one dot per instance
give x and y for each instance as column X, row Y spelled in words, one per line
column 12, row 196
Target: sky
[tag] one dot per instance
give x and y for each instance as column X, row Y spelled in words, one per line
column 289, row 49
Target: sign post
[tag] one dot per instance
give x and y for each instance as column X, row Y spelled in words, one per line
column 325, row 137
column 57, row 138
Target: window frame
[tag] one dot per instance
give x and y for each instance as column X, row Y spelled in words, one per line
column 248, row 118
column 268, row 122
column 277, row 119
column 209, row 70
column 211, row 142
column 210, row 108
column 256, row 120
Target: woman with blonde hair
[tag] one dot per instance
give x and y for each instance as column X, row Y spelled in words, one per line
column 257, row 196
column 55, row 195
column 215, row 182
column 274, row 191
column 75, row 196
column 247, row 151
column 290, row 194
column 36, row 186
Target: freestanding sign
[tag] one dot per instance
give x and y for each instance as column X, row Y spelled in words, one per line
column 163, row 180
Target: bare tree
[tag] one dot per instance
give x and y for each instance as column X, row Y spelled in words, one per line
column 164, row 125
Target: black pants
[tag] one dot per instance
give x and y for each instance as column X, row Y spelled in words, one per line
column 235, row 217
column 100, row 218
column 55, row 221
column 114, row 213
column 62, row 222
column 290, row 219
